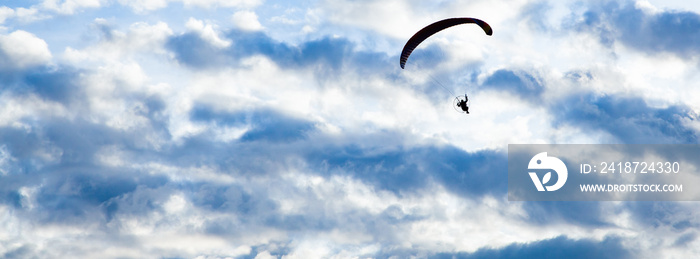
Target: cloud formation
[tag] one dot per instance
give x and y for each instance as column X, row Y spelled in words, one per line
column 21, row 49
column 204, row 130
column 649, row 31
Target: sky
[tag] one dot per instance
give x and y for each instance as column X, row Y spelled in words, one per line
column 272, row 129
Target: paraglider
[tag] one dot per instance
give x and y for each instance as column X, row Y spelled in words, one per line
column 462, row 103
column 434, row 28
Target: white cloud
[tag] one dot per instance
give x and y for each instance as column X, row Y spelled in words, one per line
column 5, row 159
column 175, row 204
column 145, row 5
column 69, row 6
column 675, row 5
column 208, row 32
column 5, row 13
column 373, row 15
column 660, row 79
column 45, row 9
column 17, row 108
column 222, row 3
column 407, row 17
column 24, row 49
column 265, row 255
column 140, row 40
column 646, row 6
column 29, row 15
column 247, row 20
column 116, row 75
column 141, row 6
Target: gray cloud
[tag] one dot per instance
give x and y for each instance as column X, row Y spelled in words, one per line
column 628, row 119
column 663, row 32
column 559, row 247
column 54, row 84
column 521, row 83
column 327, row 55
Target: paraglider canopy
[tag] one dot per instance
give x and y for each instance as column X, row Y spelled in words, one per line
column 429, row 30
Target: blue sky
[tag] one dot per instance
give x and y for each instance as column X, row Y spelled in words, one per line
column 269, row 129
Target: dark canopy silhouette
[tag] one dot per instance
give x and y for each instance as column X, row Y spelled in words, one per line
column 429, row 30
